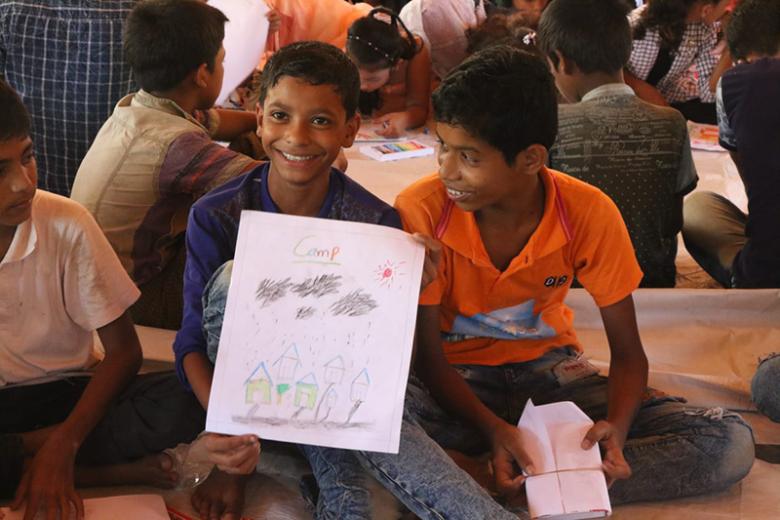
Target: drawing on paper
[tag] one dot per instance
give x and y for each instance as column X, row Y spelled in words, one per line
column 388, row 272
column 314, row 348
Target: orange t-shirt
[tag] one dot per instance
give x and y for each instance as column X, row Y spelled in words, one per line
column 489, row 317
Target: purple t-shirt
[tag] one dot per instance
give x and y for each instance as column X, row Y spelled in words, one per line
column 212, row 232
column 749, row 120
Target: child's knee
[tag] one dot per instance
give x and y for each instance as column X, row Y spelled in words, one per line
column 735, row 458
column 766, row 387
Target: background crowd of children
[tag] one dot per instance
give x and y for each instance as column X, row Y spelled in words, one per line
column 112, row 105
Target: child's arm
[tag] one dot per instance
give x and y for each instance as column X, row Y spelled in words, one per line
column 627, row 385
column 454, row 395
column 644, row 90
column 233, row 123
column 200, row 373
column 49, row 482
column 208, row 247
column 418, row 94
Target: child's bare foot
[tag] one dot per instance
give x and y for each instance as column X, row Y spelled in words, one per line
column 152, row 470
column 220, row 497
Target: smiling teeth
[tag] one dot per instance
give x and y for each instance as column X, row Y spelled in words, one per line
column 455, row 193
column 291, row 157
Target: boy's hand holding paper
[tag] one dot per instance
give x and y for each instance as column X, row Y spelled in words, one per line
column 508, row 455
column 612, row 441
column 568, row 481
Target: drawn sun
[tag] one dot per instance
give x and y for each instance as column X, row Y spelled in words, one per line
column 387, row 272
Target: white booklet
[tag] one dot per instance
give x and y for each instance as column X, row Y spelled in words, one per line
column 568, row 482
column 148, row 507
column 317, row 338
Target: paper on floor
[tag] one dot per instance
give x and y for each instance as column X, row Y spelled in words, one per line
column 568, row 482
column 148, row 507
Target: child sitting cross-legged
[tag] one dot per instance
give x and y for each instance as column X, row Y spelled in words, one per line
column 738, row 249
column 306, row 114
column 493, row 329
column 639, row 154
column 66, row 418
column 157, row 153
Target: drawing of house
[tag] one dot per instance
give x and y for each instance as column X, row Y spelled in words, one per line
column 334, row 371
column 287, row 364
column 306, row 391
column 258, row 385
column 331, row 398
column 360, row 384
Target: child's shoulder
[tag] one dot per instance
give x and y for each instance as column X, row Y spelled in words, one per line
column 360, row 205
column 59, row 221
column 427, row 192
column 52, row 209
column 241, row 192
column 581, row 200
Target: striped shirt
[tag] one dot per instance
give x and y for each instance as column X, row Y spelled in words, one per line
column 149, row 163
column 65, row 60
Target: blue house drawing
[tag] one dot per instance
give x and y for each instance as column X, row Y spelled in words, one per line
column 287, row 363
column 360, row 385
column 334, row 371
column 306, row 391
column 258, row 385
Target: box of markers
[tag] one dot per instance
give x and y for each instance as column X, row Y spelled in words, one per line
column 396, row 151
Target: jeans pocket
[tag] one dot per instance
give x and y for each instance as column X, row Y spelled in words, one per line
column 573, row 369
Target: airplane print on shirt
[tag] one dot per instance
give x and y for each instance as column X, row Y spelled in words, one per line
column 516, row 322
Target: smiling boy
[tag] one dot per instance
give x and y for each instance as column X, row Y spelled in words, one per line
column 305, row 116
column 493, row 329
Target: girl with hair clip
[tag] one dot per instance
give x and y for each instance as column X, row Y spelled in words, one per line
column 670, row 37
column 395, row 71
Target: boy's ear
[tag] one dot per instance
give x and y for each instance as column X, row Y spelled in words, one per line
column 532, row 159
column 565, row 65
column 202, row 73
column 352, row 127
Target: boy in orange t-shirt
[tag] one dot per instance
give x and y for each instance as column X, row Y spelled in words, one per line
column 493, row 329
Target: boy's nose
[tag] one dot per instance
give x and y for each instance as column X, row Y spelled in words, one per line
column 447, row 168
column 297, row 132
column 23, row 179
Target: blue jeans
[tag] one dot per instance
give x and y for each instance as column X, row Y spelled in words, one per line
column 674, row 450
column 422, row 475
column 766, row 387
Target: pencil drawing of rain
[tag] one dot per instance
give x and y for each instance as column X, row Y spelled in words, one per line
column 316, row 341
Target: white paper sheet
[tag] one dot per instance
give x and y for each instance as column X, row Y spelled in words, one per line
column 567, row 482
column 317, row 337
column 245, row 35
column 148, row 507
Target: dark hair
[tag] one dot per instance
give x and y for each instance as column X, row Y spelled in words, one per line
column 315, row 63
column 502, row 95
column 376, row 43
column 754, row 28
column 15, row 123
column 502, row 29
column 165, row 40
column 668, row 17
column 594, row 34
